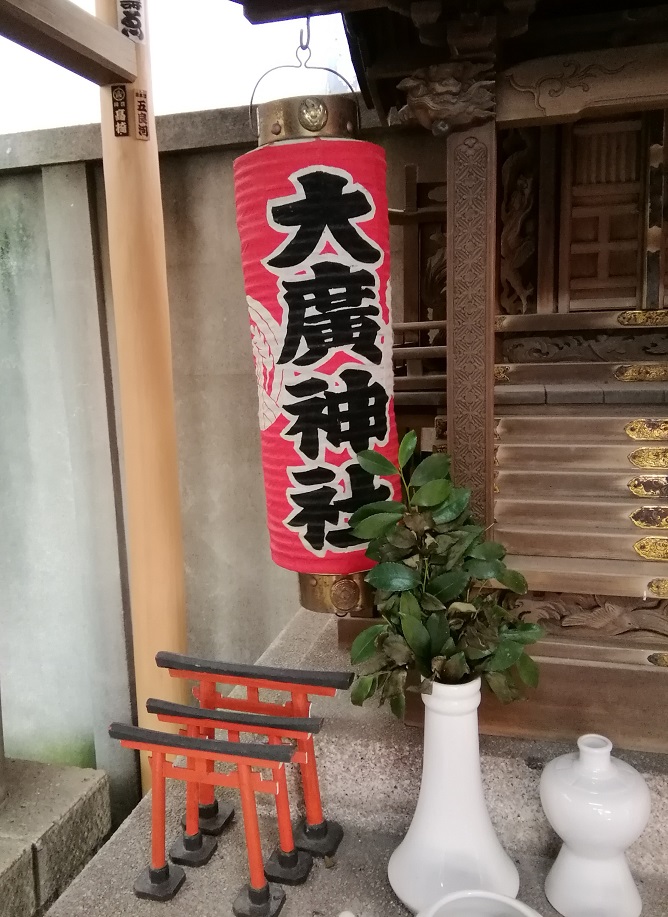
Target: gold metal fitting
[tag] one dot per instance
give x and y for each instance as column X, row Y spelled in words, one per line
column 307, row 116
column 340, row 594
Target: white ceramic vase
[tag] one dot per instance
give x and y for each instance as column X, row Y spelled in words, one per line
column 599, row 806
column 451, row 845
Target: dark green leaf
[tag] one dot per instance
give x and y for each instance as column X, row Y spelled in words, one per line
column 448, row 586
column 455, row 504
column 439, row 631
column 513, row 580
column 375, row 463
column 431, row 603
column 502, row 686
column 393, row 577
column 432, row 493
column 417, row 636
column 407, row 447
column 395, row 648
column 375, row 526
column 482, row 569
column 395, row 684
column 528, row 670
column 364, row 644
column 409, row 605
column 454, row 668
column 374, row 549
column 525, row 632
column 401, row 537
column 456, row 523
column 489, row 550
column 457, row 551
column 363, row 688
column 398, row 705
column 434, row 467
column 505, row 656
column 418, row 522
column 370, row 509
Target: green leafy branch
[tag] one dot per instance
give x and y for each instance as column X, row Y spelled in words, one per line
column 439, row 589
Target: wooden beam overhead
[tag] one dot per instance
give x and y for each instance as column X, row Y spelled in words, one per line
column 584, row 84
column 69, row 36
column 258, row 11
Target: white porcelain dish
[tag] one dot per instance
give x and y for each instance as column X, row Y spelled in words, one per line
column 478, row 904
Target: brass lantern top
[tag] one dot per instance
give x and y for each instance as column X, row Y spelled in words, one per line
column 301, row 117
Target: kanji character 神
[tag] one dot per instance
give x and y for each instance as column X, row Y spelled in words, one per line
column 356, row 415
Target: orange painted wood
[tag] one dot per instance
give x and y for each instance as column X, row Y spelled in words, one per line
column 141, row 318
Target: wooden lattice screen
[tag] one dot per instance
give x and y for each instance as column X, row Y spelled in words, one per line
column 601, row 193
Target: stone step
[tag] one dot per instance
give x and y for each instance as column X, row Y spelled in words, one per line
column 585, row 392
column 596, row 577
column 573, row 456
column 545, row 541
column 543, row 485
column 627, row 428
column 623, row 515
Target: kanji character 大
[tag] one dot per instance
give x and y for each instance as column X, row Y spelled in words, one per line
column 324, row 205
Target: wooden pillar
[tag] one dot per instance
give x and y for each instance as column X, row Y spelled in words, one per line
column 471, row 296
column 141, row 316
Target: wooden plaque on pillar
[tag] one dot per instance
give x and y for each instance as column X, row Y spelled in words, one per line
column 471, row 260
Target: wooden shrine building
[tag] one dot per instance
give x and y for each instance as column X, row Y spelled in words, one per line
column 533, row 328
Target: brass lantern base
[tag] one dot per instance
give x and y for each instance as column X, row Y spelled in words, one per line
column 340, row 594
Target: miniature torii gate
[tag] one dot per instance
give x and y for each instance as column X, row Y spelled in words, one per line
column 95, row 48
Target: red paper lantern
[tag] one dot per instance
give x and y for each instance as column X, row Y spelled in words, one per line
column 313, row 222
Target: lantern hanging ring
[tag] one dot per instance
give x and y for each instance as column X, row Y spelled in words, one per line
column 304, row 47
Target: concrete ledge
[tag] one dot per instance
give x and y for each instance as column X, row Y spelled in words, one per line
column 17, row 885
column 51, row 824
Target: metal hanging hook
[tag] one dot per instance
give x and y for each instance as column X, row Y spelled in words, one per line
column 304, row 45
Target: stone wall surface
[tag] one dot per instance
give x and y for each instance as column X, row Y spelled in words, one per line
column 63, row 635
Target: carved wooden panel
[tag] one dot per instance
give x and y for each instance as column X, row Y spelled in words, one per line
column 471, row 282
column 602, row 191
column 585, row 346
column 518, row 241
column 595, row 615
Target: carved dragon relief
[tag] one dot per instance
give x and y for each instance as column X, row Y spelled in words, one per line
column 517, row 266
column 601, row 615
column 572, row 75
column 443, row 96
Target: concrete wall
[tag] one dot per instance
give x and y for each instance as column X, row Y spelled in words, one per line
column 63, row 657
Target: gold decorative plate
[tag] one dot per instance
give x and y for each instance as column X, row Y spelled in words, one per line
column 659, row 587
column 649, row 485
column 501, row 373
column 644, row 428
column 650, row 517
column 642, row 372
column 650, row 457
column 650, row 318
column 653, row 547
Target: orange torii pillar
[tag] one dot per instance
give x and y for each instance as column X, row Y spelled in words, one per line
column 141, row 317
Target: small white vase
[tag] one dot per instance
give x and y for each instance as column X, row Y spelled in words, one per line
column 598, row 806
column 451, row 845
